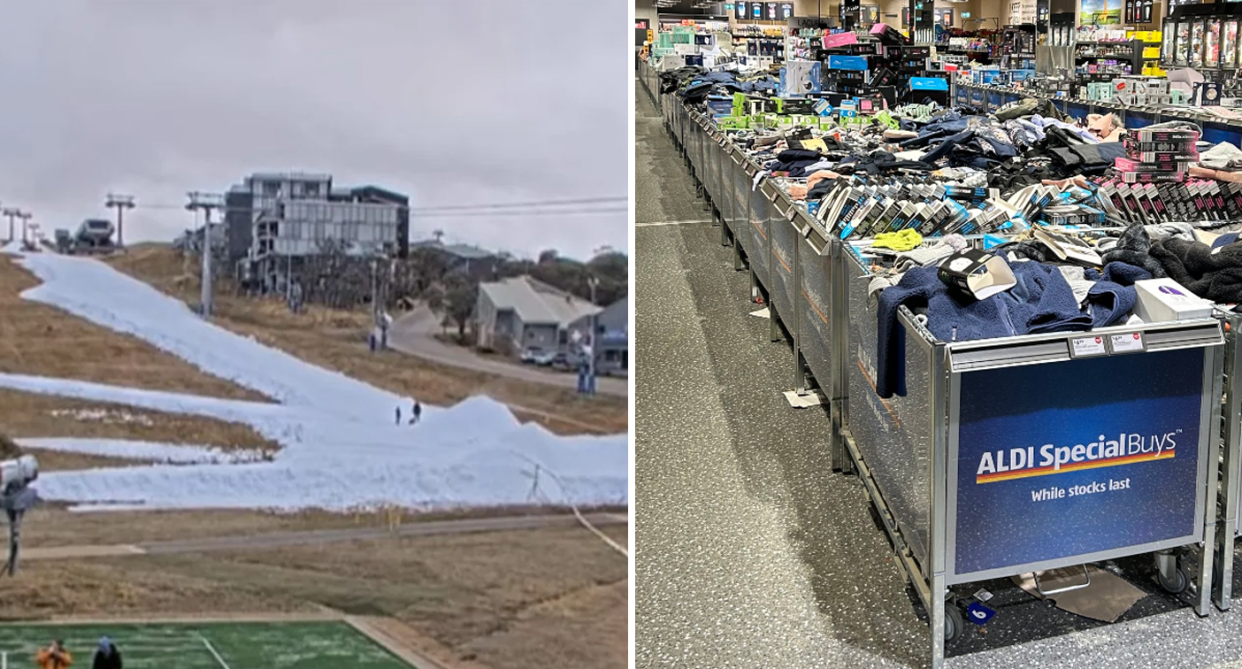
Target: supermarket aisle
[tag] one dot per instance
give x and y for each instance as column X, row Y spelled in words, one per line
column 750, row 552
column 745, row 557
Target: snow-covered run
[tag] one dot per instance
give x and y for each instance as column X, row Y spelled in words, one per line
column 340, row 446
column 142, row 450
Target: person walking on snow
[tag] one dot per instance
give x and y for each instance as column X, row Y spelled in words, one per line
column 107, row 656
column 398, row 414
column 418, row 412
column 54, row 656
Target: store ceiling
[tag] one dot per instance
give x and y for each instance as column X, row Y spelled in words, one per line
column 689, row 7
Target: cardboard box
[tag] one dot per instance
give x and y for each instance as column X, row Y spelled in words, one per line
column 1132, row 165
column 1164, row 300
column 977, row 273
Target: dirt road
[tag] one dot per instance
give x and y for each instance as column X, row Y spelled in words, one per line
column 310, row 537
column 413, row 334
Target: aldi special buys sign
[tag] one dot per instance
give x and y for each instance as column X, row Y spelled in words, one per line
column 1077, row 458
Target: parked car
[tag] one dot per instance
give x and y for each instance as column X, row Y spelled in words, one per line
column 529, row 355
column 567, row 362
column 544, row 358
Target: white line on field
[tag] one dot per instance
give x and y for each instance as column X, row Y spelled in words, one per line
column 660, row 223
column 213, row 652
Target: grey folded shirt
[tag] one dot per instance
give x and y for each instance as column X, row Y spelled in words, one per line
column 1077, row 282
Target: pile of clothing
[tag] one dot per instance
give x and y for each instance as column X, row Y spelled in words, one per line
column 1050, row 295
column 693, row 84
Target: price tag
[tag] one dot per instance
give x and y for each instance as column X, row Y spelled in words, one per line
column 1131, row 342
column 1085, row 347
column 979, row 614
column 793, row 213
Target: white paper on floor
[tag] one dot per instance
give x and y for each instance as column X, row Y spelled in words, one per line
column 762, row 313
column 340, row 448
column 810, row 399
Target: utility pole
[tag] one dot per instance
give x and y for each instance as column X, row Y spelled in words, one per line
column 207, row 202
column 120, row 203
column 593, row 282
column 11, row 213
column 25, row 216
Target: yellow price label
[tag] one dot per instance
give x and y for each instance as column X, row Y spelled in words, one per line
column 815, row 144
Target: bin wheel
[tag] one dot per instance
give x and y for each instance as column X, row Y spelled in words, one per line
column 1176, row 585
column 954, row 622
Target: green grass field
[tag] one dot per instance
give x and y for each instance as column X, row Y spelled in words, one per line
column 278, row 645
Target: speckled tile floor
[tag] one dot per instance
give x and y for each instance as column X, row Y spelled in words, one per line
column 751, row 553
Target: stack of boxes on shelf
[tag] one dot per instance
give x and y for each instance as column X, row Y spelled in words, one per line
column 1135, row 91
column 883, row 64
column 1158, row 155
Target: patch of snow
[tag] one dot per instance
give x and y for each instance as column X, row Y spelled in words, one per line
column 144, row 450
column 102, row 416
column 340, row 446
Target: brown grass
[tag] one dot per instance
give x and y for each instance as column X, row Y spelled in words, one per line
column 553, row 598
column 488, row 596
column 337, row 340
column 128, row 585
column 59, row 461
column 31, row 415
column 48, row 526
column 40, row 339
column 584, row 628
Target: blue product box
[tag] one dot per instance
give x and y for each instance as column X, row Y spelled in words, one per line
column 847, row 63
column 989, row 77
column 928, row 84
column 720, row 105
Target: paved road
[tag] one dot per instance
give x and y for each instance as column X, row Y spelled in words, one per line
column 413, row 334
column 311, row 537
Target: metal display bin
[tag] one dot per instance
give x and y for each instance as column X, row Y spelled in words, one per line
column 761, row 250
column 711, row 155
column 705, row 165
column 994, row 101
column 739, row 221
column 974, row 478
column 724, row 184
column 1138, row 119
column 783, row 246
column 817, row 345
column 977, row 97
column 699, row 161
column 715, row 153
column 1230, row 464
column 815, row 315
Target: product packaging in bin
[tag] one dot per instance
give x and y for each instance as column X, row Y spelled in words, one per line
column 1164, row 300
column 976, row 273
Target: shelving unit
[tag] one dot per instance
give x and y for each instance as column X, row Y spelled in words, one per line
column 1128, row 53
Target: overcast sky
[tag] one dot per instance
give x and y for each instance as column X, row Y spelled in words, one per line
column 473, row 102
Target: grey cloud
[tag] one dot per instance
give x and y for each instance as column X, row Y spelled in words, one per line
column 469, row 102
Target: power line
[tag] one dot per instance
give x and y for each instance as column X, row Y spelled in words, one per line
column 534, row 207
column 508, row 205
column 554, row 212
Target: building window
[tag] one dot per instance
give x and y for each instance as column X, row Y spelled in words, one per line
column 271, row 188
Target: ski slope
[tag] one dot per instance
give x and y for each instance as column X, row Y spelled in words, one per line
column 340, row 448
